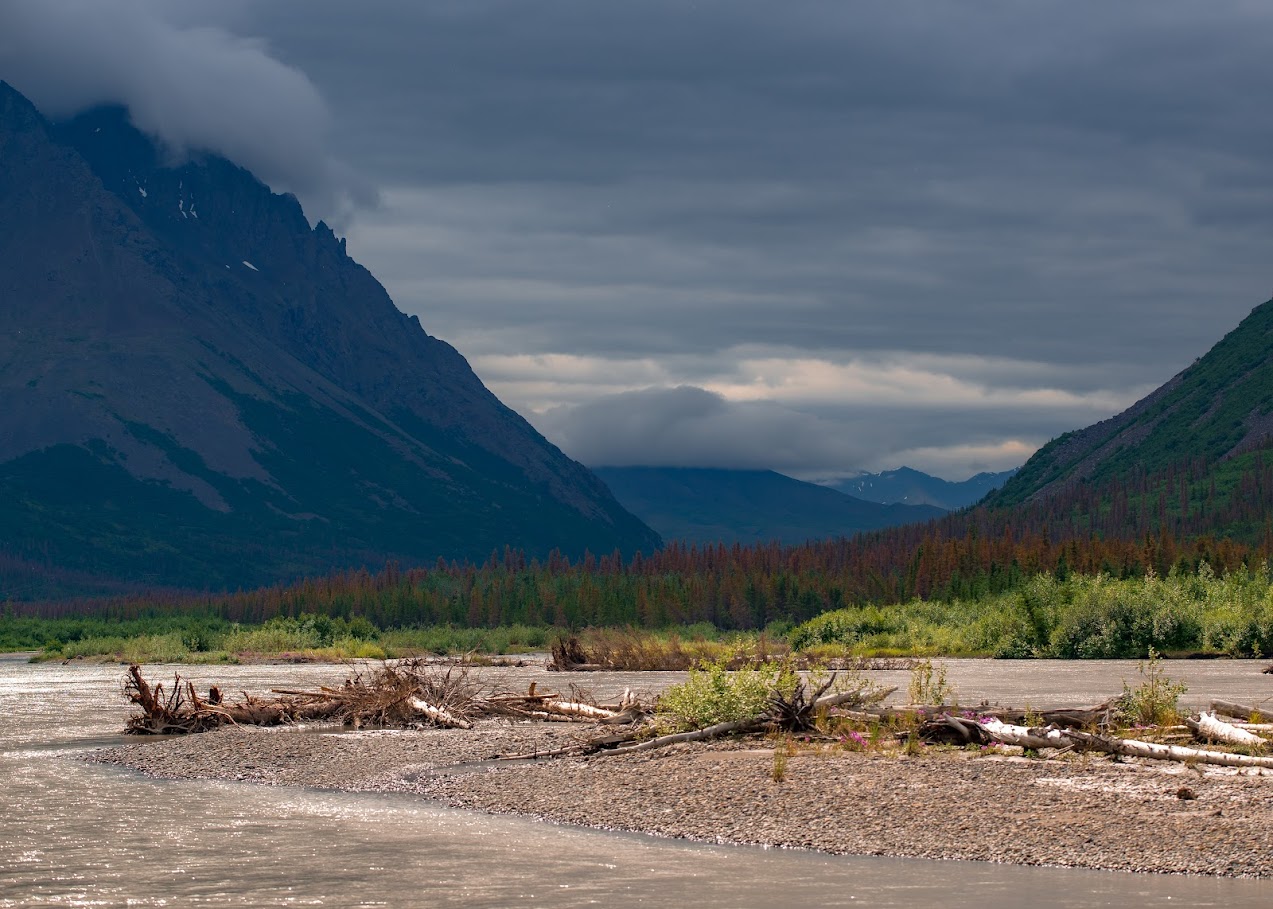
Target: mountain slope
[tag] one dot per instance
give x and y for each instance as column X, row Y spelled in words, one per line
column 1213, row 411
column 702, row 505
column 914, row 487
column 201, row 390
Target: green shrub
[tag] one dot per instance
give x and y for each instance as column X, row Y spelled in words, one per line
column 928, row 685
column 713, row 694
column 1155, row 701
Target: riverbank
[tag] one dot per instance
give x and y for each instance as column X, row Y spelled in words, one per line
column 1082, row 811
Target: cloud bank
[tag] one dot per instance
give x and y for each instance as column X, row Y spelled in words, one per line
column 195, row 88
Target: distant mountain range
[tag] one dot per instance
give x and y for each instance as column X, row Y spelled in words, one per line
column 912, row 487
column 705, row 505
column 200, row 390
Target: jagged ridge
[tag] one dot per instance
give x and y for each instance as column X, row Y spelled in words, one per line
column 200, row 389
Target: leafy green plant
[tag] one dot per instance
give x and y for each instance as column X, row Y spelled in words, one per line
column 714, row 694
column 928, row 684
column 1156, row 700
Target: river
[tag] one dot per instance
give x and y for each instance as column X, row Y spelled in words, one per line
column 80, row 834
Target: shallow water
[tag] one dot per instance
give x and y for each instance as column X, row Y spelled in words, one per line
column 77, row 834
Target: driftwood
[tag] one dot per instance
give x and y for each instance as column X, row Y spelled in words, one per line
column 792, row 713
column 179, row 710
column 582, row 711
column 407, row 694
column 953, row 730
column 568, row 656
column 1027, row 737
column 1210, row 728
column 1239, row 711
column 1051, row 737
column 437, row 714
column 1097, row 716
column 698, row 735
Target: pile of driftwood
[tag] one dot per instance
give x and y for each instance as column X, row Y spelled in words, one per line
column 799, row 711
column 417, row 694
column 411, row 693
column 1088, row 729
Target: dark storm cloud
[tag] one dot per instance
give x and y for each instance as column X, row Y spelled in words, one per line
column 194, row 87
column 1042, row 209
column 841, row 176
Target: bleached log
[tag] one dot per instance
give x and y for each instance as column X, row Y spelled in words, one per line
column 1049, row 737
column 1134, row 748
column 1209, row 726
column 625, row 717
column 547, row 717
column 438, row 715
column 1239, row 711
column 584, row 711
column 1025, row 736
column 850, row 698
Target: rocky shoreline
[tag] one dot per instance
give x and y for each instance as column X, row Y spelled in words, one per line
column 1082, row 811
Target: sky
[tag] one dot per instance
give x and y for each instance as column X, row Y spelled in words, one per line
column 818, row 236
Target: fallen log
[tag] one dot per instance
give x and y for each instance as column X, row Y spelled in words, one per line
column 952, row 730
column 626, row 717
column 1066, row 717
column 1048, row 737
column 1238, row 711
column 698, row 735
column 1027, row 737
column 852, row 698
column 1212, row 729
column 438, row 715
column 770, row 719
column 583, row 711
column 1133, row 748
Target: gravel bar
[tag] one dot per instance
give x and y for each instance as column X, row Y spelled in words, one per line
column 1084, row 811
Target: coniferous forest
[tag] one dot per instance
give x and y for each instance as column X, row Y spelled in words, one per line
column 1168, row 523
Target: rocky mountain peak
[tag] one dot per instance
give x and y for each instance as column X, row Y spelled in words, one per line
column 180, row 333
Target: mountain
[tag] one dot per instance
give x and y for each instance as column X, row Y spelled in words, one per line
column 201, row 390
column 704, row 505
column 913, row 487
column 1207, row 425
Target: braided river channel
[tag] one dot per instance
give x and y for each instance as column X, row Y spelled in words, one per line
column 79, row 834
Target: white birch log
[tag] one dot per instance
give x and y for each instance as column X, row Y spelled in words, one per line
column 1209, row 726
column 851, row 698
column 583, row 711
column 1071, row 738
column 1026, row 737
column 1134, row 748
column 1240, row 711
column 438, row 715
